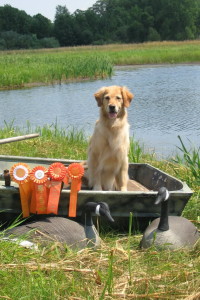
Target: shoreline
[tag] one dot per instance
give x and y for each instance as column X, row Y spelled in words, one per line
column 74, row 80
column 157, row 65
column 32, row 68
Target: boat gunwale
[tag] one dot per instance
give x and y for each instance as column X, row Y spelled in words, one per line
column 134, row 198
column 184, row 190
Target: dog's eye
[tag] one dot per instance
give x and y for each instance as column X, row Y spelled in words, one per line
column 107, row 98
column 118, row 97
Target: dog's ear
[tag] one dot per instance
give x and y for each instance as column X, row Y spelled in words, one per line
column 127, row 96
column 99, row 96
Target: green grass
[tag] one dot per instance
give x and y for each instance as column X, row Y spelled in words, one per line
column 156, row 53
column 55, row 273
column 52, row 143
column 37, row 67
column 29, row 69
column 190, row 158
column 119, row 269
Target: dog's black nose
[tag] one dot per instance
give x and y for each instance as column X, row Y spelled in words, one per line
column 112, row 108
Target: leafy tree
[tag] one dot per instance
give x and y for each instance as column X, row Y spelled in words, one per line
column 14, row 40
column 175, row 19
column 82, row 30
column 107, row 21
column 135, row 32
column 41, row 26
column 50, row 42
column 12, row 19
column 64, row 27
column 153, row 35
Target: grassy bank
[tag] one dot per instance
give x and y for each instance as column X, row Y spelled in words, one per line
column 26, row 69
column 155, row 53
column 52, row 143
column 108, row 273
column 119, row 269
column 37, row 67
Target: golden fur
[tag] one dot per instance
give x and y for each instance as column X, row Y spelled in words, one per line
column 109, row 144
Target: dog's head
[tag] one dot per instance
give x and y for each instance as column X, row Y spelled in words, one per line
column 113, row 99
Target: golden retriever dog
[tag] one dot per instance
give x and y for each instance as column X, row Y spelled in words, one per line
column 109, row 145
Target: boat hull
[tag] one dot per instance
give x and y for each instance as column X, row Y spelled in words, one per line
column 139, row 201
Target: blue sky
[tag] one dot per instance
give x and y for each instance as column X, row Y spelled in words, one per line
column 48, row 7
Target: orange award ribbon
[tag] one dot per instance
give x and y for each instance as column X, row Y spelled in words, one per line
column 57, row 172
column 20, row 174
column 39, row 177
column 75, row 171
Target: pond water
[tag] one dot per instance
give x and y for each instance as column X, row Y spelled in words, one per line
column 166, row 104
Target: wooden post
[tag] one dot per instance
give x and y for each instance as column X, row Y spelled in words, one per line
column 19, row 138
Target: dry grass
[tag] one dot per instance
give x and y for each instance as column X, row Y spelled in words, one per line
column 93, row 275
column 108, row 47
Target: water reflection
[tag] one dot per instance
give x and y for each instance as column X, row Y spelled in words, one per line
column 166, row 104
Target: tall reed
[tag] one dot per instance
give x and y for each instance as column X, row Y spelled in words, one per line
column 27, row 69
column 109, row 282
column 37, row 67
column 129, row 247
column 135, row 151
column 191, row 160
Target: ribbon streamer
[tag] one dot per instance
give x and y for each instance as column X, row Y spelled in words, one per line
column 20, row 174
column 39, row 177
column 57, row 172
column 75, row 171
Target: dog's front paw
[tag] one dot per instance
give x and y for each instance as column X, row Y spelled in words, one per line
column 123, row 189
column 97, row 188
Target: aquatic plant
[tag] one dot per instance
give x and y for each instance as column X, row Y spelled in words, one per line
column 136, row 151
column 190, row 158
column 48, row 66
column 29, row 69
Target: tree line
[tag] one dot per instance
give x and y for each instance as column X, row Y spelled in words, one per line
column 107, row 21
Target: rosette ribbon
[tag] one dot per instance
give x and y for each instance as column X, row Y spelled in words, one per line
column 39, row 177
column 57, row 172
column 20, row 174
column 75, row 172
